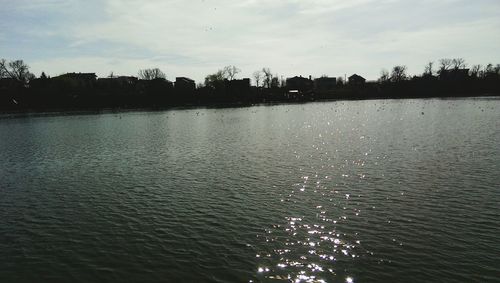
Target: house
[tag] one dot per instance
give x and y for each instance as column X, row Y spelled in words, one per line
column 91, row 77
column 126, row 80
column 238, row 86
column 157, row 83
column 117, row 85
column 77, row 79
column 184, row 84
column 299, row 83
column 325, row 84
column 241, row 84
column 120, row 81
column 356, row 80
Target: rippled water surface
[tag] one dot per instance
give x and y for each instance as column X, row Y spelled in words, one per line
column 361, row 191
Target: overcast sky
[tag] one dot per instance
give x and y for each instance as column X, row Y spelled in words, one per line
column 197, row 37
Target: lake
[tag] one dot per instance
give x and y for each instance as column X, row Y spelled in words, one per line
column 346, row 191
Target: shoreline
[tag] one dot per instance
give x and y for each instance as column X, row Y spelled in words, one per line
column 52, row 112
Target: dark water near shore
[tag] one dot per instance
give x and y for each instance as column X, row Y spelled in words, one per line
column 362, row 191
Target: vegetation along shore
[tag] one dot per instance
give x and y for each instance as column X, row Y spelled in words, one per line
column 22, row 91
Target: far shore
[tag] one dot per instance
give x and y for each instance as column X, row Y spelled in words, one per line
column 34, row 112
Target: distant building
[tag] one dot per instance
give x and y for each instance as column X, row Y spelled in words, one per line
column 78, row 79
column 158, row 82
column 243, row 83
column 78, row 76
column 120, row 85
column 325, row 83
column 184, row 84
column 356, row 79
column 126, row 80
column 120, row 81
column 238, row 86
column 299, row 83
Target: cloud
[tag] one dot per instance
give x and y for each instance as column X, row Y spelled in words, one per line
column 292, row 37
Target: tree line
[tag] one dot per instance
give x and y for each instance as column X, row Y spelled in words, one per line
column 21, row 90
column 446, row 65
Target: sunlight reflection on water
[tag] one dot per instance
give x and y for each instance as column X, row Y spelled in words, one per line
column 307, row 246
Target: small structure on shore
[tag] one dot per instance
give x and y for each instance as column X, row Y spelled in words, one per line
column 325, row 84
column 299, row 83
column 356, row 80
column 184, row 84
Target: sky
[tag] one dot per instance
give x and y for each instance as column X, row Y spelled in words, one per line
column 295, row 37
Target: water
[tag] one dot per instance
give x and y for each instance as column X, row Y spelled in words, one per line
column 361, row 191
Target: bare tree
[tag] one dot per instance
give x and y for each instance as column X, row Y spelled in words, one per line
column 17, row 70
column 428, row 71
column 475, row 71
column 151, row 74
column 488, row 68
column 226, row 73
column 257, row 75
column 398, row 73
column 230, row 72
column 212, row 79
column 275, row 81
column 497, row 69
column 340, row 81
column 282, row 82
column 3, row 69
column 445, row 65
column 458, row 63
column 268, row 77
column 384, row 76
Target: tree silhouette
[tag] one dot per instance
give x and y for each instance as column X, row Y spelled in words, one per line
column 384, row 76
column 445, row 65
column 257, row 75
column 17, row 70
column 428, row 71
column 458, row 63
column 340, row 81
column 475, row 71
column 275, row 82
column 229, row 72
column 213, row 79
column 489, row 68
column 151, row 74
column 268, row 77
column 226, row 73
column 398, row 73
